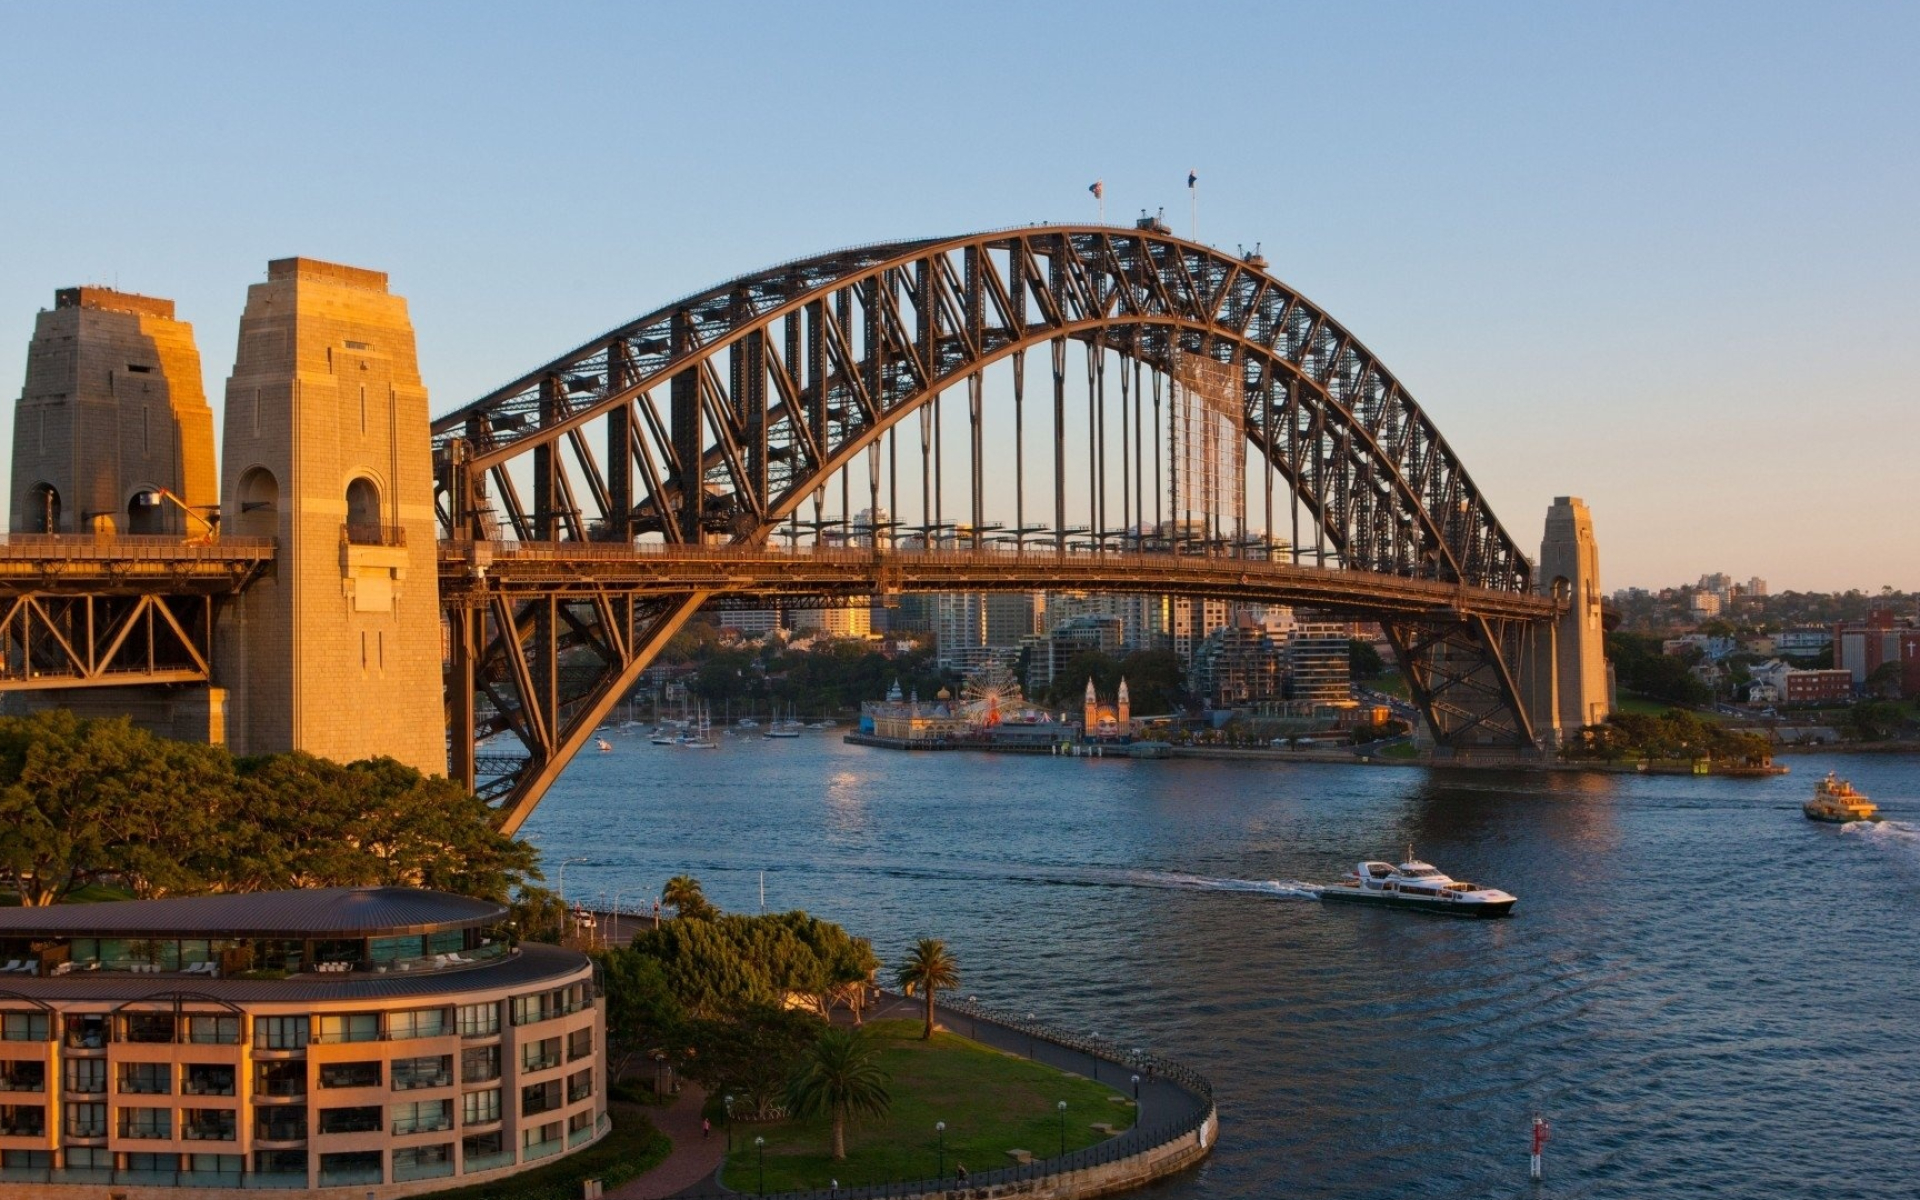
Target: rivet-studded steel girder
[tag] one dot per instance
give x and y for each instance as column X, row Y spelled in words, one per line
column 722, row 414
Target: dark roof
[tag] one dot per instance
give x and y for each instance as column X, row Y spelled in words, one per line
column 309, row 912
column 533, row 963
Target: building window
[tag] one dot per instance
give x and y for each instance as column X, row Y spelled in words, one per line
column 344, row 1170
column 89, row 1158
column 280, row 1078
column 481, row 1064
column 213, row 1031
column 26, row 1075
column 279, row 1033
column 280, row 1123
column 419, row 1023
column 146, row 1123
column 479, row 1020
column 215, row 1164
column 287, row 1164
column 350, row 1075
column 541, row 1141
column 359, row 1119
column 348, row 1027
column 147, row 1028
column 422, row 1162
column 422, row 1116
column 540, row 1056
column 543, row 1006
column 480, row 1108
column 208, row 1124
column 86, row 1076
column 580, row 1044
column 146, row 1079
column 207, row 1079
column 87, row 1119
column 23, row 1027
column 87, row 1031
column 153, row 1164
column 537, row 1098
column 579, row 1127
column 485, row 1152
column 579, row 1085
column 411, row 1073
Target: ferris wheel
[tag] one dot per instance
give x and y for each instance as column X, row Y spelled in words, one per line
column 989, row 691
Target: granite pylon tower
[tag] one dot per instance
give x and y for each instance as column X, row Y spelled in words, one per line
column 327, row 450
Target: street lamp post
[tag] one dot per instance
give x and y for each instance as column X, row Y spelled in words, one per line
column 1063, row 1128
column 1136, row 1089
column 560, row 884
column 940, row 1127
column 760, row 1144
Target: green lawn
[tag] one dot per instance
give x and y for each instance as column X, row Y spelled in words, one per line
column 991, row 1102
column 633, row 1145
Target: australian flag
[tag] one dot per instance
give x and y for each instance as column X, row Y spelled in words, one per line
column 1098, row 188
column 1192, row 179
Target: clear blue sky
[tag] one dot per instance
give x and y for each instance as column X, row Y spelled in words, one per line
column 1661, row 256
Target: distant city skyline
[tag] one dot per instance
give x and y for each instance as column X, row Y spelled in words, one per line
column 1660, row 259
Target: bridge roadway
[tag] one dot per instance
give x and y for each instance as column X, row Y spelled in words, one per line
column 472, row 571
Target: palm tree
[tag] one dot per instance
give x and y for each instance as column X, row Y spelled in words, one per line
column 684, row 896
column 840, row 1076
column 929, row 968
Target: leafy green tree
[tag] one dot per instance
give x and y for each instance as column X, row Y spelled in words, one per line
column 1069, row 687
column 840, row 1076
column 85, row 800
column 1156, row 681
column 750, row 1054
column 683, row 895
column 928, row 968
column 1363, row 661
column 1875, row 720
column 641, row 1012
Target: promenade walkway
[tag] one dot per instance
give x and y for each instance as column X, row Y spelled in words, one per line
column 691, row 1165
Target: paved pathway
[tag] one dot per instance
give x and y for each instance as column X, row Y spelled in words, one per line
column 694, row 1159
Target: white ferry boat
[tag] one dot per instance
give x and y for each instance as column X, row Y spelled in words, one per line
column 1417, row 885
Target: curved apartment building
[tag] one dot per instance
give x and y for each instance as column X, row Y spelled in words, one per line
column 388, row 1040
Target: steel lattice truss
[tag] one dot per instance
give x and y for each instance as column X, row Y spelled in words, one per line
column 716, row 417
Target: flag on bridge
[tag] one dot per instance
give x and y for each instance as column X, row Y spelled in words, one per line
column 1192, row 179
column 1098, row 188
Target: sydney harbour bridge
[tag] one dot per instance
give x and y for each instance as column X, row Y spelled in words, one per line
column 1048, row 407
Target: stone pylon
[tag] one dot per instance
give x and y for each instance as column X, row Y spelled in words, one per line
column 1569, row 661
column 113, row 414
column 326, row 449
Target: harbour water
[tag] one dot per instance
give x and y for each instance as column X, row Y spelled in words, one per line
column 1704, row 993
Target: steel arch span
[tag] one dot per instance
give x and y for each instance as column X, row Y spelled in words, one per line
column 717, row 418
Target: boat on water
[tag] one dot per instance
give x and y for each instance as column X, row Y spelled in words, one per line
column 1835, row 802
column 700, row 737
column 1420, row 886
column 747, row 723
column 780, row 733
column 602, row 745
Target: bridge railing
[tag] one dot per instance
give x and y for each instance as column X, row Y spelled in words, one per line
column 170, row 547
column 1150, row 563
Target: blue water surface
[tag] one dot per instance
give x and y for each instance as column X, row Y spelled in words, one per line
column 1704, row 993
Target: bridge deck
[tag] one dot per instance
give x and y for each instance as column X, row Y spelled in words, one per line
column 128, row 564
column 545, row 568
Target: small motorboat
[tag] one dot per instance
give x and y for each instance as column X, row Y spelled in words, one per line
column 602, row 745
column 1418, row 885
column 1835, row 802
